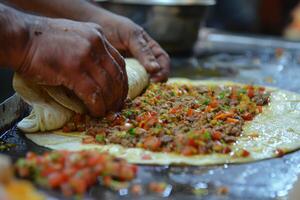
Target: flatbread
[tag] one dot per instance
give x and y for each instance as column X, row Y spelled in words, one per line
column 53, row 106
column 276, row 128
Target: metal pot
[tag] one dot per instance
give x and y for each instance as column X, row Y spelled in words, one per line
column 172, row 23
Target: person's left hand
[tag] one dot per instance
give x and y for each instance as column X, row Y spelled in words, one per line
column 131, row 40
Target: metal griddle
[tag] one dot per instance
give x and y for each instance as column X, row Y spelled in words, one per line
column 266, row 179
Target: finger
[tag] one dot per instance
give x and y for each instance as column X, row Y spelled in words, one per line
column 163, row 60
column 115, row 71
column 121, row 62
column 116, row 55
column 140, row 50
column 164, row 73
column 89, row 92
column 103, row 80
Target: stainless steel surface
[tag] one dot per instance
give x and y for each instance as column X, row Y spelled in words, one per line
column 265, row 61
column 10, row 110
column 175, row 28
column 163, row 2
column 216, row 41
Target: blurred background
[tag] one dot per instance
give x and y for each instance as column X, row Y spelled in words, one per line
column 184, row 27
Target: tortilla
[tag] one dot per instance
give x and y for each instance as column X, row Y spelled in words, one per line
column 53, row 106
column 276, row 128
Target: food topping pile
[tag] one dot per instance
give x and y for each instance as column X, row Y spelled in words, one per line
column 74, row 172
column 184, row 119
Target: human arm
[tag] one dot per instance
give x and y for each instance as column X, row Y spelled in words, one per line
column 122, row 33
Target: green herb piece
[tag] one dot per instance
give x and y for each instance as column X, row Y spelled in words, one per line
column 222, row 95
column 206, row 102
column 131, row 131
column 99, row 138
column 207, row 135
column 128, row 113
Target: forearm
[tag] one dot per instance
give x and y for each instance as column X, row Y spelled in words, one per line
column 14, row 35
column 80, row 10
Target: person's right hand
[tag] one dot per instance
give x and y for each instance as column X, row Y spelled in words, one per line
column 77, row 56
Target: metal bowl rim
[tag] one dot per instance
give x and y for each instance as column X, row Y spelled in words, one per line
column 163, row 2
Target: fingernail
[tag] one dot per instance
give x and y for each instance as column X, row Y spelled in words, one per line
column 155, row 66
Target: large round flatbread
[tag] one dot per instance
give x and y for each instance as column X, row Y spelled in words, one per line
column 53, row 106
column 277, row 127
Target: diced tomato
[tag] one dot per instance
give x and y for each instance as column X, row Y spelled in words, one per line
column 152, row 143
column 188, row 150
column 245, row 153
column 56, row 179
column 247, row 116
column 74, row 172
column 173, row 110
column 190, row 112
column 208, row 108
column 140, row 117
column 48, row 170
column 149, row 122
column 92, row 161
column 214, row 103
column 216, row 135
column 87, row 176
column 69, row 172
column 226, row 150
column 192, row 142
column 98, row 168
column 79, row 185
column 250, row 91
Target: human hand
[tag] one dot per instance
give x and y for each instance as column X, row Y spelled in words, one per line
column 132, row 40
column 77, row 56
